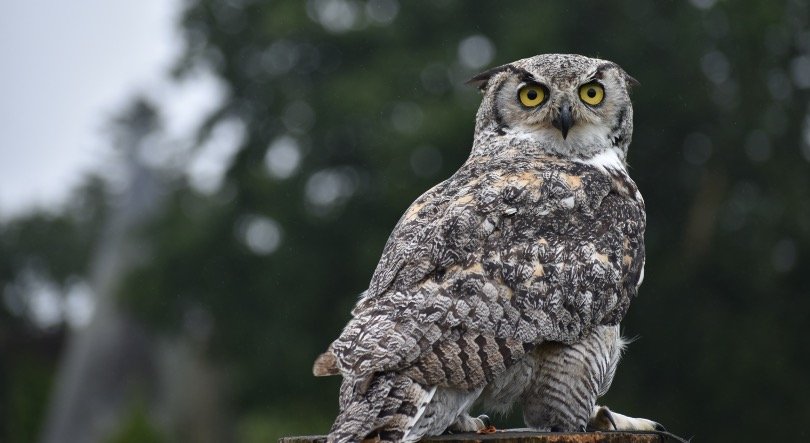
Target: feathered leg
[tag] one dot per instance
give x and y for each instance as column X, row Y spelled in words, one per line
column 569, row 378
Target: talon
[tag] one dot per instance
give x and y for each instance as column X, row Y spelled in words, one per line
column 603, row 419
column 465, row 423
column 485, row 420
column 488, row 430
column 609, row 416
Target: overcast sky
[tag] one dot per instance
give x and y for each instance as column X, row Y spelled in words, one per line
column 66, row 66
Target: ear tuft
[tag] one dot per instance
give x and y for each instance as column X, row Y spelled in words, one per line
column 480, row 80
column 630, row 81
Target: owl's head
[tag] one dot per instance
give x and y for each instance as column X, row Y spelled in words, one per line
column 562, row 104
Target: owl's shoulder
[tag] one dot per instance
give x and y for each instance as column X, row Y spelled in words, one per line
column 446, row 223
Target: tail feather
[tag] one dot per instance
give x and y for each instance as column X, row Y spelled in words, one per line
column 358, row 410
column 387, row 409
column 325, row 364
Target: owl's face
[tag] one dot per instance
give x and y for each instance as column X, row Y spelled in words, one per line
column 568, row 105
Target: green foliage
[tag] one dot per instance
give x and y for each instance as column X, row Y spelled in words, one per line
column 137, row 427
column 58, row 244
column 25, row 394
column 52, row 248
column 268, row 426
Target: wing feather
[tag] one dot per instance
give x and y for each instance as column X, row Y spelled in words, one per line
column 484, row 266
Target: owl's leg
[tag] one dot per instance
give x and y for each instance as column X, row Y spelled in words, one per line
column 447, row 411
column 568, row 379
column 603, row 419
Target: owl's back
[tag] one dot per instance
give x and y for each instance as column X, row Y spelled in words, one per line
column 504, row 255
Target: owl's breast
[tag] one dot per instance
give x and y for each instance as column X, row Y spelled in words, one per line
column 566, row 244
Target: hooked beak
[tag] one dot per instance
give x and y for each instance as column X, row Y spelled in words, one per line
column 564, row 119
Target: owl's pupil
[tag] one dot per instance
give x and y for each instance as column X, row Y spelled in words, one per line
column 591, row 93
column 531, row 95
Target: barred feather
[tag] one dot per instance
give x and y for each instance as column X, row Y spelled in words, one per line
column 508, row 278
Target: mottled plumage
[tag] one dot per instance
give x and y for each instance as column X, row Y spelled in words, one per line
column 506, row 282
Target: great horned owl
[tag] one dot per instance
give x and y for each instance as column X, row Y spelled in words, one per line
column 506, row 283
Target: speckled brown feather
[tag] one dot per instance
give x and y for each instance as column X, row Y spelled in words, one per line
column 516, row 257
column 535, row 239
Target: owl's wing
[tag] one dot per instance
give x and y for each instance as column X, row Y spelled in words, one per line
column 486, row 265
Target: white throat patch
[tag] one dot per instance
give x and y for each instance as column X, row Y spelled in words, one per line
column 607, row 159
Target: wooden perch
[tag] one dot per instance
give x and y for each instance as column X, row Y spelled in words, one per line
column 511, row 436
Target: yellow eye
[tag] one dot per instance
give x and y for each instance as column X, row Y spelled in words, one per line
column 592, row 93
column 531, row 95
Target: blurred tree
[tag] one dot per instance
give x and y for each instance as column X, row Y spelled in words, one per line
column 118, row 380
column 343, row 111
column 103, row 361
column 43, row 258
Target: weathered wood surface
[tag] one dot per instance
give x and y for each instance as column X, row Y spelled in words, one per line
column 525, row 437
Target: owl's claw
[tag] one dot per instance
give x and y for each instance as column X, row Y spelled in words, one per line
column 486, row 425
column 485, row 420
column 488, row 430
column 464, row 423
column 603, row 419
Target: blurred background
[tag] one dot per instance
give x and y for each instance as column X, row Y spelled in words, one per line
column 193, row 194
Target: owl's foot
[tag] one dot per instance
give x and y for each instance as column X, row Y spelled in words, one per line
column 488, row 430
column 465, row 423
column 603, row 419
